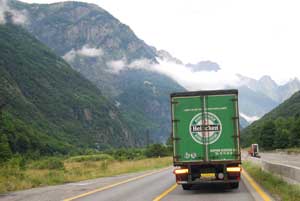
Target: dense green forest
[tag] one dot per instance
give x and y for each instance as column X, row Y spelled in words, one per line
column 278, row 129
column 48, row 108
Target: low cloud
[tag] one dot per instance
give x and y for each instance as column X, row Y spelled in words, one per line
column 200, row 80
column 17, row 17
column 85, row 51
column 141, row 64
column 88, row 51
column 3, row 8
column 250, row 119
column 115, row 66
column 184, row 75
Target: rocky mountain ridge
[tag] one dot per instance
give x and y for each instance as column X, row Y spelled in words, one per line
column 109, row 54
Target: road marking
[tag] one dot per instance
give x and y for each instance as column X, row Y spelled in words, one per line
column 165, row 193
column 114, row 185
column 260, row 191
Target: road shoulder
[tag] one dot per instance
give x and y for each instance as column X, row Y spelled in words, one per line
column 257, row 192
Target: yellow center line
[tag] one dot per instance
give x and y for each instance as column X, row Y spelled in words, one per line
column 165, row 193
column 260, row 191
column 114, row 185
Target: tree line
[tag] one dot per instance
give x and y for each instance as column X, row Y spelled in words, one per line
column 272, row 134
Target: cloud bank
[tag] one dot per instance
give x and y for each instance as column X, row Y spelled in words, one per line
column 17, row 17
column 115, row 66
column 184, row 75
column 199, row 80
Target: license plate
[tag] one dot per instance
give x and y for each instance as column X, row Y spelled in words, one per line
column 208, row 176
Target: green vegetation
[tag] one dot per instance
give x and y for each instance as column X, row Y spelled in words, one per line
column 96, row 157
column 47, row 108
column 274, row 184
column 292, row 150
column 145, row 102
column 142, row 95
column 278, row 129
column 52, row 163
column 20, row 173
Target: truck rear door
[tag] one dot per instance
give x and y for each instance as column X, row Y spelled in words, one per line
column 205, row 127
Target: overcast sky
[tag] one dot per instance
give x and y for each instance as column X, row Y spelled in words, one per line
column 251, row 37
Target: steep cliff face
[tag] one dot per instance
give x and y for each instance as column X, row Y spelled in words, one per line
column 109, row 54
column 71, row 25
column 49, row 107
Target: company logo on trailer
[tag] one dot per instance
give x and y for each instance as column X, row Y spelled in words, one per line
column 205, row 128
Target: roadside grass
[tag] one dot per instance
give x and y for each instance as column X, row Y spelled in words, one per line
column 279, row 189
column 52, row 171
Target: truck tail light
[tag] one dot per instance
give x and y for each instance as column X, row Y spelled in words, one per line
column 181, row 171
column 233, row 169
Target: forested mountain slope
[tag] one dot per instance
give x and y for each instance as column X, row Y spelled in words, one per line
column 49, row 107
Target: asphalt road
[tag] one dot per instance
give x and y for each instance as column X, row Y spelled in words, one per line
column 131, row 187
column 143, row 189
column 150, row 187
column 210, row 193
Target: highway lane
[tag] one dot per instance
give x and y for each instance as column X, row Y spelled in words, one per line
column 142, row 186
column 150, row 187
column 143, row 189
column 210, row 193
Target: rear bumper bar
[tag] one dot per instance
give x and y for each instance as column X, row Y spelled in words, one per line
column 208, row 181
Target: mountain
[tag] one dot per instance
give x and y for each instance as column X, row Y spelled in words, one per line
column 243, row 122
column 257, row 97
column 279, row 128
column 289, row 88
column 204, row 66
column 49, row 107
column 254, row 104
column 109, row 54
column 166, row 56
column 267, row 86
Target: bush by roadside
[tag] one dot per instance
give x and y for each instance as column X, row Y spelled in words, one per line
column 49, row 163
column 94, row 157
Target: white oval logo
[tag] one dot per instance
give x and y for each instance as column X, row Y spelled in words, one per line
column 205, row 128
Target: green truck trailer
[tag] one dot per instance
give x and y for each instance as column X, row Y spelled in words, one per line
column 205, row 135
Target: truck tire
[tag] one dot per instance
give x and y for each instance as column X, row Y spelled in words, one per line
column 234, row 185
column 186, row 186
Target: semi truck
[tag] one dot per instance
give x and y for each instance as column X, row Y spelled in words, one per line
column 253, row 151
column 206, row 137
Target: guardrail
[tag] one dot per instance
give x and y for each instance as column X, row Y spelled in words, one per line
column 289, row 173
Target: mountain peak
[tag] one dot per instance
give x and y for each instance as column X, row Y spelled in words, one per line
column 266, row 78
column 165, row 55
column 268, row 82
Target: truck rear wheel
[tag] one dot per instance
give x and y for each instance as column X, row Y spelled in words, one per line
column 186, row 186
column 234, row 185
